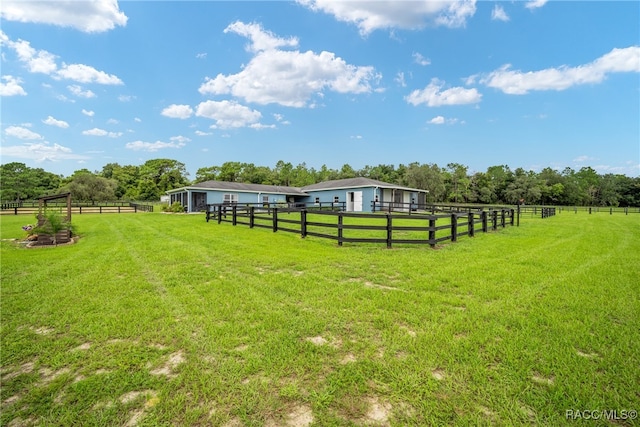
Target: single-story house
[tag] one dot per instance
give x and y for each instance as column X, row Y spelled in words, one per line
column 355, row 194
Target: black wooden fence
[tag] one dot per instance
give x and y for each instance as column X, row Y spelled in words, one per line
column 349, row 227
column 31, row 207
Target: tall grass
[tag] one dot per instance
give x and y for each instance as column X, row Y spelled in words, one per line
column 153, row 319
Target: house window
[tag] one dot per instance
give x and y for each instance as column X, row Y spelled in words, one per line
column 317, row 200
column 230, row 199
column 377, row 199
column 265, row 200
column 336, row 199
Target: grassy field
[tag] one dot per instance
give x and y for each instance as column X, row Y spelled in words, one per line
column 154, row 319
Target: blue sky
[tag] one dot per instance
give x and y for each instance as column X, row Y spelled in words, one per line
column 528, row 84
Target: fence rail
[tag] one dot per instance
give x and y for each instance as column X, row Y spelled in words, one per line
column 378, row 228
column 30, row 207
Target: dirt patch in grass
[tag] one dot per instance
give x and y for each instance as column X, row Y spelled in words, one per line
column 318, row 340
column 172, row 362
column 378, row 412
column 348, row 358
column 408, row 330
column 438, row 374
column 82, row 347
column 587, row 355
column 539, row 379
column 25, row 368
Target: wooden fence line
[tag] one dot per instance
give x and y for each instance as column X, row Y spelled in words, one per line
column 24, row 208
column 459, row 224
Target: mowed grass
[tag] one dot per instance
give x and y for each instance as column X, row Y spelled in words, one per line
column 154, row 319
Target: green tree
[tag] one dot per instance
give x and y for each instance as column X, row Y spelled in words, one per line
column 457, row 183
column 525, row 186
column 20, row 182
column 85, row 186
column 160, row 175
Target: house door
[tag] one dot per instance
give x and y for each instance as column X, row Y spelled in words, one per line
column 354, row 201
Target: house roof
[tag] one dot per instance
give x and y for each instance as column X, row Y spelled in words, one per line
column 355, row 183
column 243, row 187
column 293, row 191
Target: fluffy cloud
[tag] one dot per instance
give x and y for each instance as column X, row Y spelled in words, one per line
column 228, row 114
column 88, row 112
column 433, row 96
column 77, row 91
column 535, row 4
column 101, row 132
column 260, row 39
column 421, row 60
column 176, row 111
column 288, row 78
column 21, row 133
column 440, row 120
column 374, row 15
column 11, row 87
column 41, row 61
column 53, row 122
column 40, row 152
column 517, row 82
column 153, row 146
column 86, row 74
column 87, row 15
column 498, row 14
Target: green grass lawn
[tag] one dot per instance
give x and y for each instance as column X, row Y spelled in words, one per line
column 154, row 319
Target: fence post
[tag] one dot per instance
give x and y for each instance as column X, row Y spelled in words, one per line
column 502, row 218
column 389, row 230
column 118, row 209
column 303, row 223
column 100, row 208
column 471, row 226
column 454, row 227
column 219, row 214
column 251, row 216
column 513, row 211
column 275, row 219
column 494, row 219
column 339, row 228
column 484, row 221
column 234, row 214
column 432, row 232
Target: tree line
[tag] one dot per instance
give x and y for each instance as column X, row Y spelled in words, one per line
column 451, row 183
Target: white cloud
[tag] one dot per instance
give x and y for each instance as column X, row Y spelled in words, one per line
column 535, row 4
column 37, row 61
column 440, row 120
column 152, row 146
column 498, row 14
column 200, row 133
column 77, row 91
column 41, row 61
column 433, row 96
column 53, row 122
column 420, row 60
column 21, row 133
column 88, row 112
column 201, row 55
column 228, row 114
column 40, row 152
column 583, row 158
column 87, row 74
column 288, row 78
column 180, row 139
column 126, row 98
column 176, row 111
column 11, row 87
column 101, row 132
column 137, row 120
column 113, row 121
column 375, row 15
column 400, row 79
column 87, row 15
column 517, row 82
column 260, row 39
